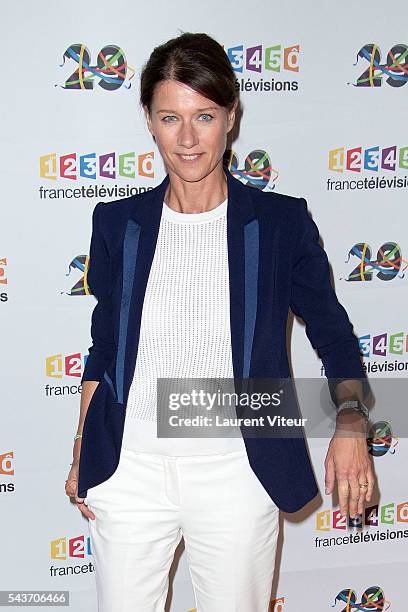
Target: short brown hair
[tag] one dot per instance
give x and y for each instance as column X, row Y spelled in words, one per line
column 195, row 59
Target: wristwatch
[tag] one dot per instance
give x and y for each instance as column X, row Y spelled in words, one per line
column 356, row 405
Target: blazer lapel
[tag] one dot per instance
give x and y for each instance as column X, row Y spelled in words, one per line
column 243, row 261
column 138, row 251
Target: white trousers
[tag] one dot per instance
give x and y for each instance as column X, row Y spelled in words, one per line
column 229, row 523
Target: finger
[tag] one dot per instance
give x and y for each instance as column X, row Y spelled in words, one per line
column 354, row 496
column 361, row 501
column 343, row 491
column 86, row 511
column 363, row 493
column 330, row 476
column 366, row 476
column 371, row 482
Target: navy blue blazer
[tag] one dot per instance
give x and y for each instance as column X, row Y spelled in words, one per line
column 275, row 263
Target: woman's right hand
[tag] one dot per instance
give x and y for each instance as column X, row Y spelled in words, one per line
column 71, row 489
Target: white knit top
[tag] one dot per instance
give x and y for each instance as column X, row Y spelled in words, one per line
column 185, row 327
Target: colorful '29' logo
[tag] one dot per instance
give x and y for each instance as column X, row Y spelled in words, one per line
column 111, row 68
column 395, row 66
column 381, row 439
column 387, row 264
column 372, row 599
column 257, row 170
column 80, row 287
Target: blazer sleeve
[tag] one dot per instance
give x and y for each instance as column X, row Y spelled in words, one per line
column 313, row 298
column 102, row 349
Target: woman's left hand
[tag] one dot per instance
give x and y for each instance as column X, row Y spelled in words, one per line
column 349, row 462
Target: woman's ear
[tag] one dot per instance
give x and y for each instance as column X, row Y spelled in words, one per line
column 231, row 116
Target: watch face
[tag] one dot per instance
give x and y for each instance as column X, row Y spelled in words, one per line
column 349, row 404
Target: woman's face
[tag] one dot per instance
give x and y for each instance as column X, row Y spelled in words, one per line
column 184, row 123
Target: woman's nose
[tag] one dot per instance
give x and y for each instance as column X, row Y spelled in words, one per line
column 187, row 136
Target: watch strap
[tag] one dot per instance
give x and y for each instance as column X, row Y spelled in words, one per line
column 356, row 405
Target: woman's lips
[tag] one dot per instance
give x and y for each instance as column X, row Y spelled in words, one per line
column 190, row 159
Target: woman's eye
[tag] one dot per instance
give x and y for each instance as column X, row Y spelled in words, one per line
column 170, row 117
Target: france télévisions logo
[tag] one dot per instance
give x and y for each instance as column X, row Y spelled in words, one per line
column 64, row 373
column 59, row 365
column 368, row 159
column 76, row 551
column 270, row 62
column 384, row 352
column 91, row 166
column 384, row 344
column 78, row 175
column 3, row 279
column 6, row 472
column 368, row 167
column 391, row 514
column 6, row 464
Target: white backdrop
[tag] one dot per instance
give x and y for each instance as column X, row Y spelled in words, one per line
column 45, row 232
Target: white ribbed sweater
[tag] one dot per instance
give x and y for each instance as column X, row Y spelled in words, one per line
column 185, row 326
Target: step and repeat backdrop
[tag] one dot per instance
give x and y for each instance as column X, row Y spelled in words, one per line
column 324, row 95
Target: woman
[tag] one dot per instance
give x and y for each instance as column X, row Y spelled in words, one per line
column 189, row 285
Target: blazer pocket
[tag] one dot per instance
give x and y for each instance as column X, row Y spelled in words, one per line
column 110, row 383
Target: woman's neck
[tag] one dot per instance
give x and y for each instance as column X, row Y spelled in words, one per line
column 198, row 196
